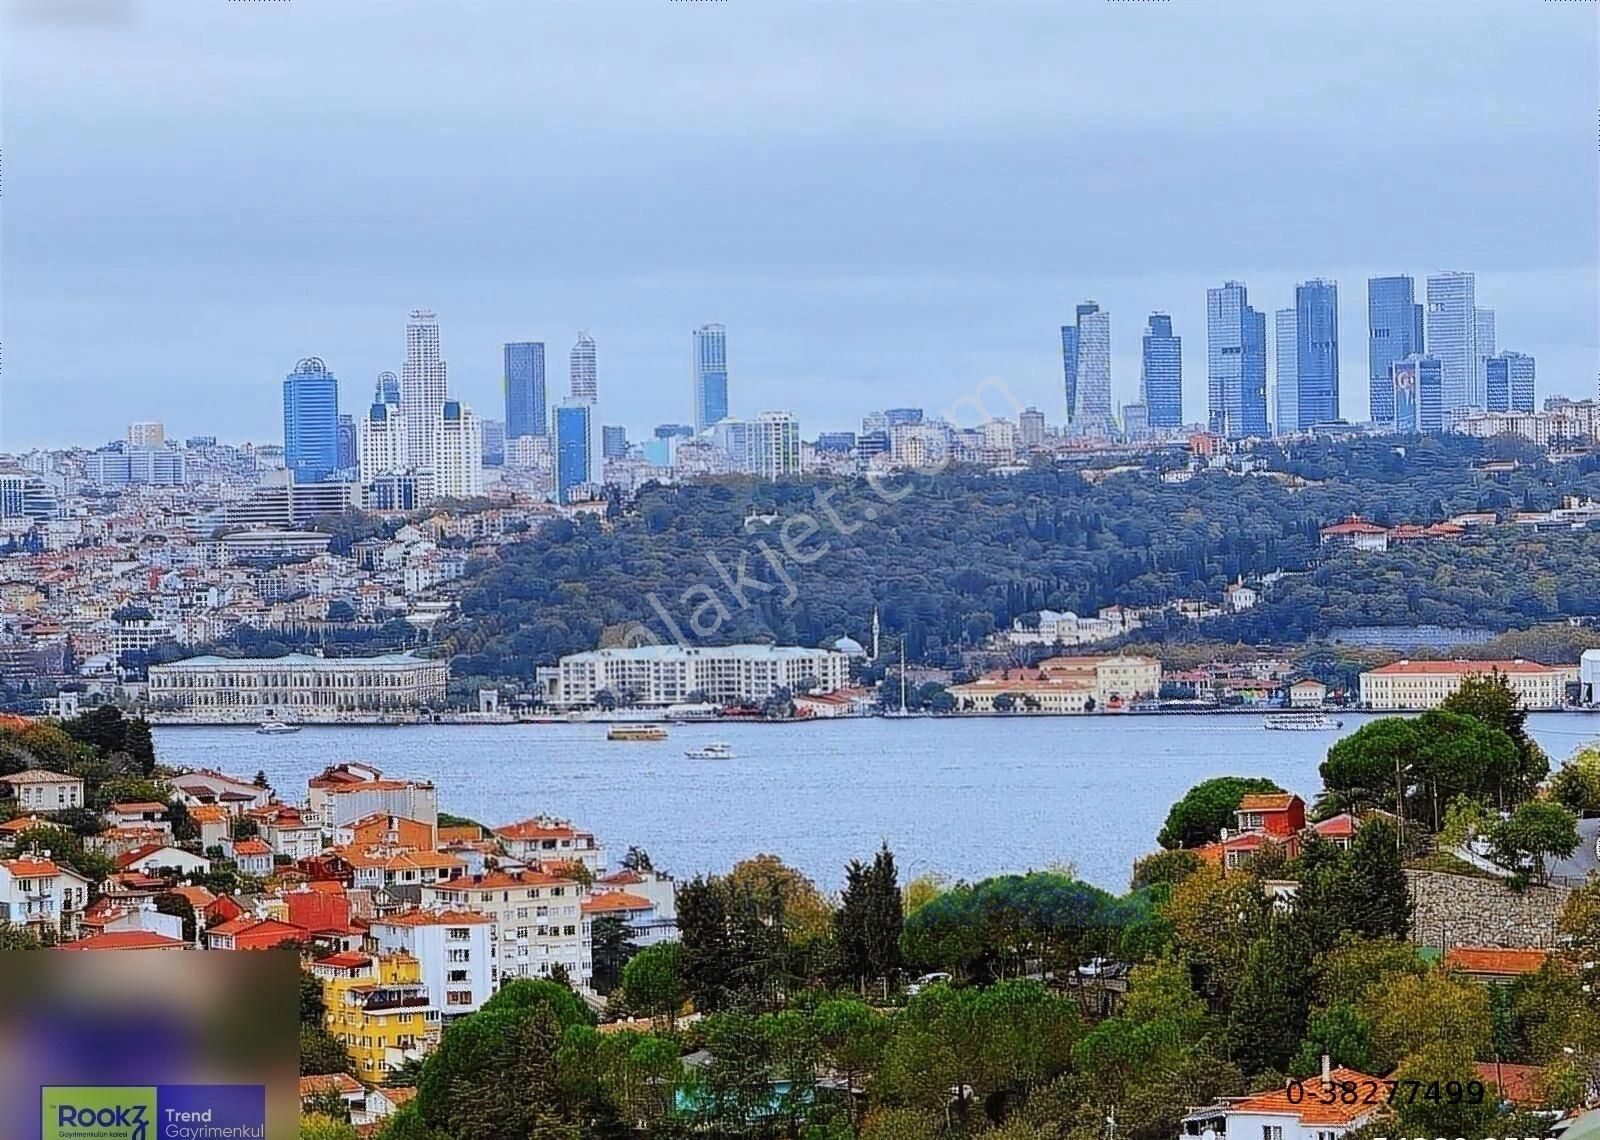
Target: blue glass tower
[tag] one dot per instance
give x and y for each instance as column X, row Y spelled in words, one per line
column 1161, row 382
column 525, row 401
column 1069, row 367
column 311, row 421
column 572, row 447
column 1510, row 382
column 710, row 376
column 1394, row 332
column 1316, row 326
column 1236, row 363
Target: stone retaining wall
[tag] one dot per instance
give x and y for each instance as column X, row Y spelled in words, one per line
column 1461, row 910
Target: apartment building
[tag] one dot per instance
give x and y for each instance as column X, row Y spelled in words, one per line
column 538, row 920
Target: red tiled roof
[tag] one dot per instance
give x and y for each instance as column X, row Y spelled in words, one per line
column 1311, row 1110
column 125, row 940
column 499, row 880
column 1275, row 801
column 434, row 918
column 138, row 806
column 1522, row 1085
column 251, row 847
column 345, row 960
column 1354, row 526
column 536, row 829
column 1451, row 668
column 1493, row 960
column 616, row 900
column 1339, row 827
column 342, row 1083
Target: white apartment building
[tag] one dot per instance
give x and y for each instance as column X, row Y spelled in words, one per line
column 296, row 687
column 543, row 840
column 539, row 920
column 37, row 790
column 668, row 674
column 380, row 442
column 37, row 891
column 775, row 444
column 1425, row 684
column 337, row 805
column 457, row 452
column 455, row 949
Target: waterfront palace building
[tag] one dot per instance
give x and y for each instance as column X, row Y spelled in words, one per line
column 670, row 674
column 295, row 687
column 1408, row 685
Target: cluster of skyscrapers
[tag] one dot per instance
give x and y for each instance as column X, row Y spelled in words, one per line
column 1427, row 362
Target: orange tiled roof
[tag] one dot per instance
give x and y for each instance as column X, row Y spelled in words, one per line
column 31, row 868
column 463, row 834
column 1338, row 827
column 345, row 960
column 342, row 1083
column 536, row 829
column 1522, row 1085
column 498, row 880
column 616, row 900
column 1272, row 801
column 251, row 847
column 1311, row 1110
column 434, row 918
column 138, row 806
column 1426, row 668
column 207, row 813
column 125, row 940
column 1492, row 960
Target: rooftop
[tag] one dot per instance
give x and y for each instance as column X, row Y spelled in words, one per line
column 1460, row 666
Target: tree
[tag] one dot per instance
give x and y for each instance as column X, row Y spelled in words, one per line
column 870, row 919
column 1165, row 867
column 1268, row 1015
column 611, row 940
column 176, row 904
column 1364, row 768
column 1577, row 782
column 17, row 937
column 653, row 983
column 1412, row 1012
column 804, row 909
column 329, row 1103
column 1199, row 817
column 321, row 1052
column 312, row 1007
column 317, row 1126
column 1490, row 699
column 261, row 779
column 1536, row 832
column 638, row 859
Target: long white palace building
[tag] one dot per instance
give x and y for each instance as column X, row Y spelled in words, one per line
column 670, row 674
column 294, row 687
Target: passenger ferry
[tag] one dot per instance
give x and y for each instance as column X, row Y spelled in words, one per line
column 636, row 732
column 721, row 750
column 276, row 727
column 1303, row 722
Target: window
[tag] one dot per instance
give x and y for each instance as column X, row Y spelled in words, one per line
column 461, row 976
column 1271, row 1132
column 458, row 997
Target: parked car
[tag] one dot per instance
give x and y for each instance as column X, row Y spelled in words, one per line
column 925, row 981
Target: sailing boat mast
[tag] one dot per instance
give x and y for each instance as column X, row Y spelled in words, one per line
column 902, row 676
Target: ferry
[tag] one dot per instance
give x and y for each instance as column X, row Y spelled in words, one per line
column 636, row 732
column 276, row 728
column 721, row 750
column 1303, row 722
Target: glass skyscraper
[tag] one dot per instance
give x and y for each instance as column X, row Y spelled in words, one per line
column 1236, row 363
column 1088, row 372
column 1316, row 332
column 573, row 453
column 1161, row 379
column 1286, row 409
column 1394, row 332
column 1418, row 385
column 1452, row 338
column 311, row 421
column 1509, row 382
column 525, row 396
column 710, row 375
column 584, row 379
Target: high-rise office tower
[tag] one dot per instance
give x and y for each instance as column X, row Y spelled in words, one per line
column 311, row 421
column 1236, row 363
column 387, row 390
column 457, row 452
column 494, row 442
column 585, row 384
column 1418, row 383
column 1088, row 377
column 573, row 458
column 1286, row 389
column 1452, row 322
column 422, row 386
column 381, row 442
column 1161, row 375
column 1316, row 328
column 735, row 437
column 1394, row 332
column 1483, row 326
column 347, row 442
column 775, row 444
column 525, row 393
column 613, row 442
column 710, row 375
column 1509, row 382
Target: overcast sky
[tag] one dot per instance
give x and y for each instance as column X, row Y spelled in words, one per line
column 884, row 202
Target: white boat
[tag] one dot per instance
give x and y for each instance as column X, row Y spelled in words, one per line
column 1303, row 722
column 636, row 732
column 721, row 750
column 276, row 728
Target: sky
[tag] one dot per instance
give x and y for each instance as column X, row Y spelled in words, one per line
column 887, row 203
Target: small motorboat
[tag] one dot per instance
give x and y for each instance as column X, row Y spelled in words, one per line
column 721, row 750
column 276, row 728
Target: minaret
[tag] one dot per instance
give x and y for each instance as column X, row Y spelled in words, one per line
column 874, row 633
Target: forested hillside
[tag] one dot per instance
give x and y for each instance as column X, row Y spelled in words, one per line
column 957, row 555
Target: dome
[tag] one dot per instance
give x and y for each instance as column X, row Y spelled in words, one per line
column 849, row 645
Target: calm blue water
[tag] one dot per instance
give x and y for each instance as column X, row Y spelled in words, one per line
column 965, row 797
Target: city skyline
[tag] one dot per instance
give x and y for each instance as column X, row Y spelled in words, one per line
column 894, row 271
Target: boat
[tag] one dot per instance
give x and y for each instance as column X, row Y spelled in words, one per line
column 1303, row 722
column 636, row 732
column 721, row 750
column 276, row 727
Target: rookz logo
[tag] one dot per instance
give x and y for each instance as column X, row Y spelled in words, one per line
column 115, row 1112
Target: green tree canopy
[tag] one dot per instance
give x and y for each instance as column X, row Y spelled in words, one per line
column 1207, row 808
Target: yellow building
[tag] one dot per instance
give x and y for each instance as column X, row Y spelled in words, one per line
column 379, row 1009
column 1065, row 685
column 1409, row 685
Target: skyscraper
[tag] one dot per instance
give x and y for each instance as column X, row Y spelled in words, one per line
column 525, row 398
column 585, row 384
column 1483, row 324
column 710, row 375
column 775, row 444
column 311, row 421
column 381, row 440
column 1069, row 371
column 1509, row 382
column 1418, row 383
column 1394, row 332
column 494, row 442
column 573, row 457
column 1286, row 392
column 422, row 386
column 1032, row 423
column 1316, row 327
column 458, row 452
column 1236, row 363
column 1161, row 377
column 613, row 442
column 387, row 390
column 1452, row 338
column 1089, row 375
column 347, row 442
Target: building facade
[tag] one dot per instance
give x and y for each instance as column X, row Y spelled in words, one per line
column 1286, row 361
column 1394, row 332
column 538, row 920
column 295, row 687
column 1407, row 685
column 669, row 674
column 710, row 376
column 584, row 381
column 775, row 445
column 1161, row 375
column 1316, row 328
column 525, row 390
column 574, row 461
column 457, row 452
column 454, row 950
column 1452, row 337
column 1236, row 363
column 1088, row 372
column 1509, row 380
column 311, row 421
column 423, row 386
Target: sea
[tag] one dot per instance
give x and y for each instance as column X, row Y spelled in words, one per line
column 960, row 797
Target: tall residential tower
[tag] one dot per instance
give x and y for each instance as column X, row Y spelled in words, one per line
column 422, row 386
column 710, row 376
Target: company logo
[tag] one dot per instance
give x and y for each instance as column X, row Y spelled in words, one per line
column 99, row 1112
